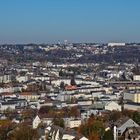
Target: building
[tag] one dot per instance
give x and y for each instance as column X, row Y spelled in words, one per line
column 72, row 123
column 22, row 78
column 36, row 122
column 5, row 78
column 84, row 102
column 41, row 119
column 7, row 105
column 116, row 44
column 132, row 106
column 57, row 133
column 136, row 77
column 132, row 96
column 113, row 106
column 29, row 96
column 121, row 125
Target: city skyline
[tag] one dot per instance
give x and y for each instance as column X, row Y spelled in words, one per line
column 51, row 21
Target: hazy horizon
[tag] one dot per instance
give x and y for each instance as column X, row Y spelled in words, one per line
column 50, row 21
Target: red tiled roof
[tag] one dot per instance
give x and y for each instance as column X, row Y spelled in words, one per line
column 7, row 93
column 26, row 93
column 70, row 87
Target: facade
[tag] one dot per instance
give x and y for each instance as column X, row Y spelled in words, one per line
column 13, row 104
column 136, row 77
column 7, row 105
column 72, row 123
column 87, row 113
column 29, row 96
column 116, row 44
column 112, row 106
column 22, row 78
column 84, row 102
column 133, row 96
column 36, row 122
column 5, row 78
column 10, row 89
column 57, row 133
column 134, row 107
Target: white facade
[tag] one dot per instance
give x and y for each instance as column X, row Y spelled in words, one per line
column 7, row 106
column 88, row 102
column 5, row 78
column 42, row 78
column 57, row 133
column 78, row 81
column 29, row 97
column 72, row 123
column 67, row 137
column 10, row 89
column 116, row 44
column 132, row 107
column 84, row 95
column 88, row 113
column 129, row 96
column 136, row 77
column 22, row 78
column 83, row 138
column 47, row 121
column 36, row 122
column 108, row 90
column 112, row 106
column 10, row 95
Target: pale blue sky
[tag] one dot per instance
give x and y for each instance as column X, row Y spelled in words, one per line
column 43, row 21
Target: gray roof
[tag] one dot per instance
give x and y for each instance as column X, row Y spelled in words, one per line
column 121, row 121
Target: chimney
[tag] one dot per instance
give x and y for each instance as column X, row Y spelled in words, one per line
column 115, row 133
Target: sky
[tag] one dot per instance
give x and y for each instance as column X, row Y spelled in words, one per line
column 50, row 21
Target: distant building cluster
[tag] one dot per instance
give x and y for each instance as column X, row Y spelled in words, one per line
column 57, row 88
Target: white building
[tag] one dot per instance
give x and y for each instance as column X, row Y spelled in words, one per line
column 87, row 113
column 7, row 105
column 5, row 78
column 112, row 106
column 57, row 133
column 133, row 96
column 136, row 77
column 22, row 78
column 85, row 102
column 116, row 44
column 36, row 122
column 134, row 107
column 78, row 81
column 72, row 123
column 10, row 89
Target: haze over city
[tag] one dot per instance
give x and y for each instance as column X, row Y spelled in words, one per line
column 48, row 21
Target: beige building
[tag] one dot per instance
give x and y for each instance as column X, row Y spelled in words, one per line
column 112, row 106
column 133, row 96
column 136, row 77
column 5, row 78
column 72, row 123
column 29, row 96
column 108, row 90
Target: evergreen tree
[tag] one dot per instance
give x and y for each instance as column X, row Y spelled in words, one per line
column 136, row 117
column 108, row 135
column 73, row 83
column 62, row 85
